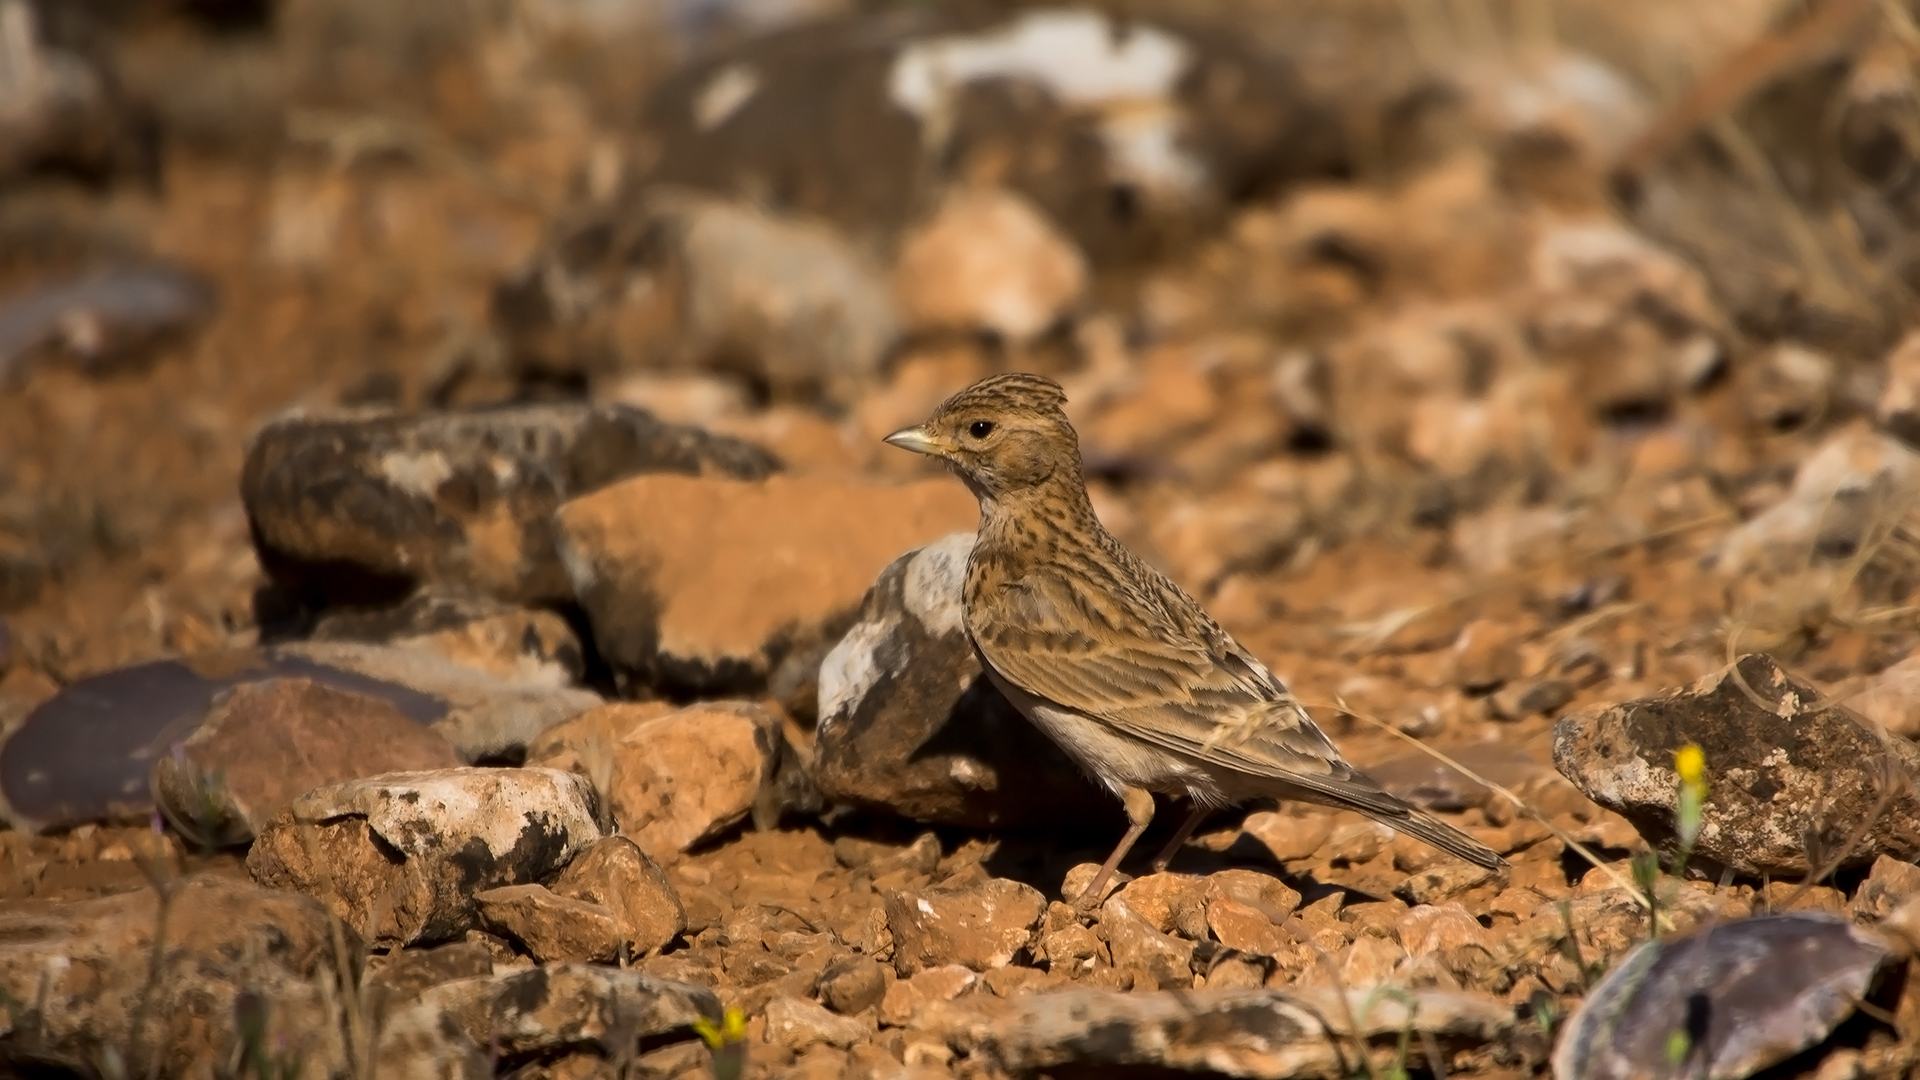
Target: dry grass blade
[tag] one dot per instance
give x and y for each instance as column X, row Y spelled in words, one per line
column 1829, row 29
column 156, row 961
column 1300, row 934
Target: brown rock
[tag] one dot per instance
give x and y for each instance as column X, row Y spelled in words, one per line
column 568, row 1008
column 1245, row 928
column 1264, row 892
column 1171, row 902
column 782, row 298
column 1636, row 325
column 710, row 586
column 1376, row 917
column 1891, row 883
column 685, row 777
column 400, row 977
column 264, row 744
column 585, row 744
column 987, row 260
column 1532, row 697
column 797, row 1023
column 1157, row 960
column 87, row 752
column 853, row 985
column 1485, row 656
column 1370, row 961
column 554, row 928
column 86, row 967
column 1070, row 948
column 673, row 778
column 617, row 875
column 1074, row 885
column 1445, row 880
column 1288, row 837
column 1302, row 1031
column 1854, row 484
column 979, row 927
column 454, row 831
column 1776, row 772
column 1434, row 928
column 1425, row 781
column 904, row 999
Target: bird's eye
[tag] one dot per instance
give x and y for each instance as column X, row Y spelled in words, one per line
column 980, row 429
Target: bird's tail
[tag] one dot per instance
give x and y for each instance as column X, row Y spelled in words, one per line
column 1343, row 787
column 1418, row 825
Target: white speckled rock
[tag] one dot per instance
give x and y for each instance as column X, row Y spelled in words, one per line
column 908, row 724
column 456, row 832
column 1774, row 774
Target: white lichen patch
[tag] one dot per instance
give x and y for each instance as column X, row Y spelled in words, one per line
column 1079, row 57
column 724, row 94
column 935, row 586
column 421, row 813
column 1124, row 76
column 414, row 472
column 852, row 669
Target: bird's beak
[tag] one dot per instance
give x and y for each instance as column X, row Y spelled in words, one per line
column 916, row 440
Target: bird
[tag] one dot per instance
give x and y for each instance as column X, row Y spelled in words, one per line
column 1110, row 658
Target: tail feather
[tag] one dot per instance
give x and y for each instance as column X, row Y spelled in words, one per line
column 1346, row 788
column 1445, row 837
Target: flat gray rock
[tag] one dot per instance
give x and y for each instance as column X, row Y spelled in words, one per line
column 1734, row 998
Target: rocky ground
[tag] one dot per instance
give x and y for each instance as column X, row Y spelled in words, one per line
column 457, row 617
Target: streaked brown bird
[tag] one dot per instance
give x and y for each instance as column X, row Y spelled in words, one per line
column 1112, row 660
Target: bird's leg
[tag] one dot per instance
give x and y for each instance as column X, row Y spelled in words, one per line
column 1139, row 805
column 1194, row 817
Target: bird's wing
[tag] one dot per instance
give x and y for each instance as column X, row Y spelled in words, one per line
column 1154, row 666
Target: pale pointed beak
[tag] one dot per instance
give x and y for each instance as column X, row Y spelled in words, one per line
column 916, row 440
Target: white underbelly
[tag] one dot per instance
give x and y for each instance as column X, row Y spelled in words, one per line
column 1115, row 760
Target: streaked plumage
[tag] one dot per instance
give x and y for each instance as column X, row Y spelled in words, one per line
column 1106, row 655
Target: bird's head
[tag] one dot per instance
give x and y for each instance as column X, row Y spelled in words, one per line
column 1003, row 435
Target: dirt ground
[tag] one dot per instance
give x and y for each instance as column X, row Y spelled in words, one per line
column 365, row 188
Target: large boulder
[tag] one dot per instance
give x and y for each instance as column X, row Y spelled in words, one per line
column 1782, row 765
column 1248, row 1033
column 677, row 280
column 87, row 984
column 909, row 723
column 264, row 744
column 673, row 778
column 400, row 857
column 1133, row 135
column 366, row 505
column 551, row 1013
column 712, row 587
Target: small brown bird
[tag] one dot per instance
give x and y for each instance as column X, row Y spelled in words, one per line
column 1113, row 661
